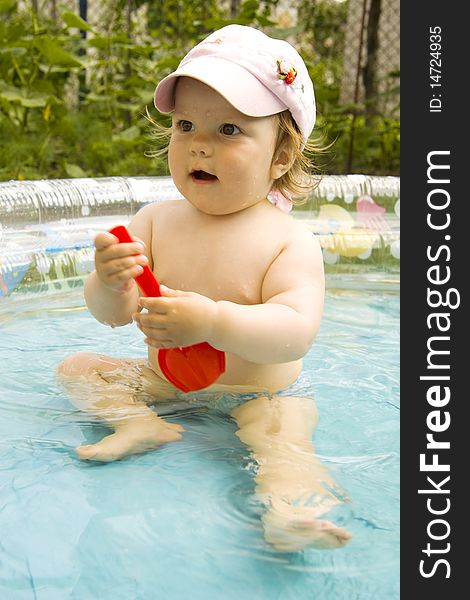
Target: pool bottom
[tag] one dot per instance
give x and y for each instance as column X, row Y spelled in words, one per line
column 183, row 521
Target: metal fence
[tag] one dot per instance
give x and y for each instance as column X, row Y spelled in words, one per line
column 382, row 53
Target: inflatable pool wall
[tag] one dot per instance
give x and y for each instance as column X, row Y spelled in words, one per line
column 47, row 227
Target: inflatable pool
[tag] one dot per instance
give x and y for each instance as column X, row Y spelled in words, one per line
column 47, row 227
column 183, row 521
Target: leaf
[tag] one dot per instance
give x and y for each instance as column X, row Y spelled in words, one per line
column 249, row 10
column 145, row 95
column 98, row 41
column 34, row 102
column 56, row 55
column 74, row 170
column 6, row 5
column 73, row 20
column 168, row 62
column 99, row 98
column 14, row 51
column 14, row 94
column 264, row 21
column 128, row 134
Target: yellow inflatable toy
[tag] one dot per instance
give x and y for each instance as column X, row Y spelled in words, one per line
column 338, row 234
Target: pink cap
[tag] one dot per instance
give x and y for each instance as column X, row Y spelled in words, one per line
column 258, row 75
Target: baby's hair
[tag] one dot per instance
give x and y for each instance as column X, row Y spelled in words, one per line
column 300, row 179
column 160, row 134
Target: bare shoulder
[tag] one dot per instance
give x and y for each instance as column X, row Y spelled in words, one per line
column 300, row 243
column 144, row 221
column 143, row 224
column 157, row 209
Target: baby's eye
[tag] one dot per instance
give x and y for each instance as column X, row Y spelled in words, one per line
column 184, row 125
column 229, row 129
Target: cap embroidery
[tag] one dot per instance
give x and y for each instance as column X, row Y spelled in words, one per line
column 286, row 73
column 217, row 41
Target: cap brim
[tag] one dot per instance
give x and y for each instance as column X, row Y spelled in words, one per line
column 239, row 87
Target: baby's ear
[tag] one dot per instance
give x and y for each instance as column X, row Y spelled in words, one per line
column 282, row 162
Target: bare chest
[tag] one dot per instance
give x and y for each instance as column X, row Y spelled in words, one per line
column 227, row 262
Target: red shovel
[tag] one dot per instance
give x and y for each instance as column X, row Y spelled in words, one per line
column 188, row 368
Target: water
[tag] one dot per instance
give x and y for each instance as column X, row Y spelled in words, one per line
column 182, row 522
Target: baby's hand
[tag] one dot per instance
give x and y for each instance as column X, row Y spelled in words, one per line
column 176, row 318
column 117, row 264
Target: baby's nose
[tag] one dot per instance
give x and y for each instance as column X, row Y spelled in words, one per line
column 201, row 146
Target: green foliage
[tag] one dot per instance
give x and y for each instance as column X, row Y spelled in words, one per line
column 73, row 104
column 376, row 144
column 358, row 144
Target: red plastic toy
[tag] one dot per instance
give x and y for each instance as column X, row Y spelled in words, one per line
column 189, row 368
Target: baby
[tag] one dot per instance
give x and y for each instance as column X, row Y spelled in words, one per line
column 238, row 273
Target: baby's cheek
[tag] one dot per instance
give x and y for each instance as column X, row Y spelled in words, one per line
column 174, row 156
column 240, row 169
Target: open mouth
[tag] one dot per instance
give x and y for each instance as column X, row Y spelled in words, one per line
column 203, row 176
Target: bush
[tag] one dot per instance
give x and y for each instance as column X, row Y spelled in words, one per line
column 73, row 105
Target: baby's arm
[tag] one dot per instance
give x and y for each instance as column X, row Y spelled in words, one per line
column 283, row 328
column 111, row 293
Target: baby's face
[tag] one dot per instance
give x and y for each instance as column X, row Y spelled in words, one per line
column 219, row 158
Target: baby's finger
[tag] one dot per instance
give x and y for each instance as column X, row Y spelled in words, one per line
column 117, row 265
column 105, row 239
column 155, row 305
column 156, row 335
column 151, row 320
column 126, row 274
column 160, row 344
column 121, row 250
column 174, row 426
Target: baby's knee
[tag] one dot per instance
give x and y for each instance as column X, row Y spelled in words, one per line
column 249, row 434
column 251, row 411
column 78, row 364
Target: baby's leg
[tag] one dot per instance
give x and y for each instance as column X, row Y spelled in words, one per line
column 279, row 432
column 114, row 390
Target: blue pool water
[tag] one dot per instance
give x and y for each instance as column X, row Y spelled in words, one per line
column 182, row 522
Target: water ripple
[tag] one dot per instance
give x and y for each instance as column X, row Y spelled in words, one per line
column 185, row 517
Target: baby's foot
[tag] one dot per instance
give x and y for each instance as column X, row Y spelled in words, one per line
column 291, row 528
column 135, row 437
